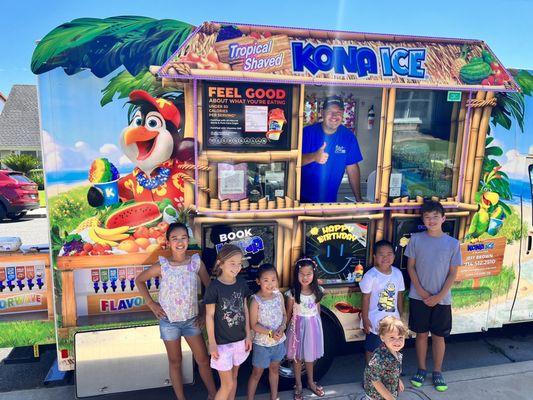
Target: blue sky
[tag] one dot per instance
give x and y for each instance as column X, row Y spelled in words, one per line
column 25, row 22
column 504, row 25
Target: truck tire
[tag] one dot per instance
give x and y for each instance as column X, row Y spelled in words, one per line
column 16, row 217
column 332, row 340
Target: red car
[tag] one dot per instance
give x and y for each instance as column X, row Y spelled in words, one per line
column 18, row 194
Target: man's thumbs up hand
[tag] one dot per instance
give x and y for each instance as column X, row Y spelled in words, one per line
column 321, row 156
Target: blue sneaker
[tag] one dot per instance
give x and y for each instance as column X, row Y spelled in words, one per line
column 417, row 380
column 439, row 382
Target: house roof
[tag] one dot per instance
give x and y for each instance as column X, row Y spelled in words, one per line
column 3, row 98
column 19, row 120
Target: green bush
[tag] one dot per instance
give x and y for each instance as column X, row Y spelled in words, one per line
column 513, row 228
column 68, row 209
column 21, row 162
column 37, row 176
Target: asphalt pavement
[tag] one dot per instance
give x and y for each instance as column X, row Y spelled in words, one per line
column 493, row 365
column 32, row 228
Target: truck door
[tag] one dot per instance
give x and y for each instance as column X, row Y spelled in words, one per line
column 522, row 306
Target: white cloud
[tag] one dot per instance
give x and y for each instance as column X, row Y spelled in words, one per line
column 516, row 164
column 52, row 153
column 109, row 149
column 114, row 154
column 80, row 155
column 124, row 161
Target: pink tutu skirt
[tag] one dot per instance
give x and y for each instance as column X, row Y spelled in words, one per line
column 305, row 340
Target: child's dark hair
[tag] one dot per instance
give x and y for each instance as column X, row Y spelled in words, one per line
column 176, row 225
column 381, row 243
column 431, row 206
column 297, row 287
column 227, row 251
column 264, row 268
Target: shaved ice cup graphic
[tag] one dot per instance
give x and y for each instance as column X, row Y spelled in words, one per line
column 276, row 120
column 109, row 191
column 494, row 226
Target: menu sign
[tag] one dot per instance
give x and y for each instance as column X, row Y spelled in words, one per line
column 242, row 116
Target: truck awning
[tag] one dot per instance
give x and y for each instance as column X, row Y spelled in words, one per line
column 226, row 51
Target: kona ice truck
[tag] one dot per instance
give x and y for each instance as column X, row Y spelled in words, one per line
column 146, row 122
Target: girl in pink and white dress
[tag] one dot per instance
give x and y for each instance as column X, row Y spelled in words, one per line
column 305, row 339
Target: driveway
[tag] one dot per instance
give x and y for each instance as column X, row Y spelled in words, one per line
column 32, row 228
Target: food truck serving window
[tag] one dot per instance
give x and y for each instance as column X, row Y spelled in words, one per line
column 247, row 116
column 339, row 248
column 257, row 242
column 339, row 144
column 423, row 148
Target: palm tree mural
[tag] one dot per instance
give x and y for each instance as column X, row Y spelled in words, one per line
column 513, row 104
column 105, row 45
column 494, row 184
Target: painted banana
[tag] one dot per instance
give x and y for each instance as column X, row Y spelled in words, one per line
column 114, row 237
column 104, row 232
column 97, row 239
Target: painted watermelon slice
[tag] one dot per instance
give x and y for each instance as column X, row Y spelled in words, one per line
column 144, row 213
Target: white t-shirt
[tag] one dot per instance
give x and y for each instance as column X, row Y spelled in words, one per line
column 383, row 291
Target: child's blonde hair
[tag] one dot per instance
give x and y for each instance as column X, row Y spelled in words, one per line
column 390, row 324
column 227, row 251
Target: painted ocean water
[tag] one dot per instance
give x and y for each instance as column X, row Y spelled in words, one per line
column 70, row 177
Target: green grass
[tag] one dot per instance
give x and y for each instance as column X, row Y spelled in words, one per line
column 42, row 198
column 466, row 297
column 68, row 209
column 498, row 284
column 26, row 333
column 490, row 286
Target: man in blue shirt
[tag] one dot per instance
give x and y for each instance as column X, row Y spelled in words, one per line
column 328, row 149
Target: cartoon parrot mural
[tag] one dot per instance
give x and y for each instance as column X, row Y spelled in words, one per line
column 154, row 142
column 491, row 212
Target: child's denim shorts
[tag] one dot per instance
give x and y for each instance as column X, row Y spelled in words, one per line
column 175, row 330
column 262, row 356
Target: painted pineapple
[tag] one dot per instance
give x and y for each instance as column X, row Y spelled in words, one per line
column 460, row 62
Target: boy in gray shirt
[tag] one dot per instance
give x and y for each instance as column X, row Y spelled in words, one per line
column 434, row 258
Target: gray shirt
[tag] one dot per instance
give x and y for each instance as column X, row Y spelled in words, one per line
column 433, row 258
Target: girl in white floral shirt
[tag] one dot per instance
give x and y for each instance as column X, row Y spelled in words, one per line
column 177, row 309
